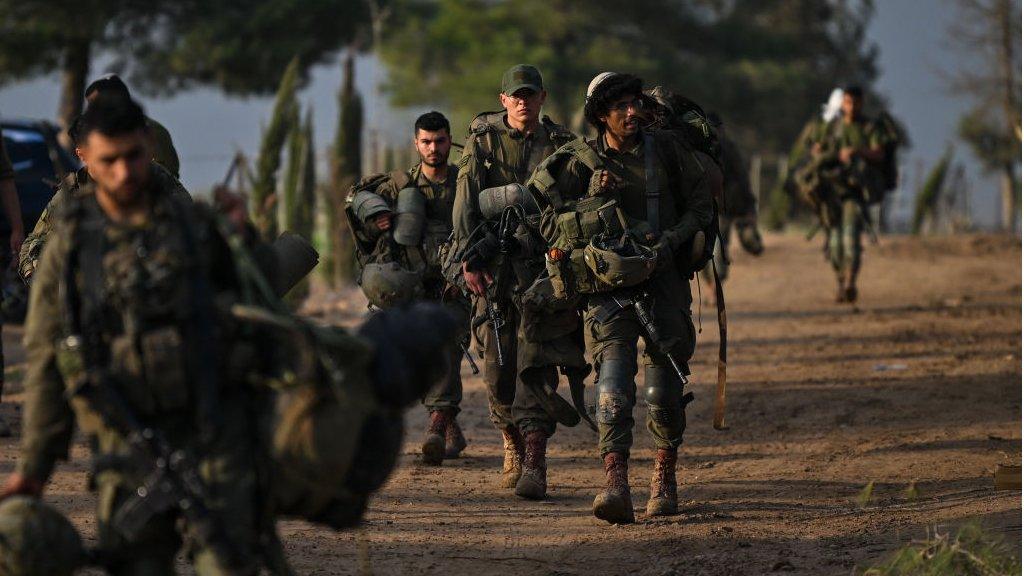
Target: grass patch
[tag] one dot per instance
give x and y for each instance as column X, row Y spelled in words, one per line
column 970, row 552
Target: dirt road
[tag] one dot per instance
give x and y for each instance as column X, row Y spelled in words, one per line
column 921, row 386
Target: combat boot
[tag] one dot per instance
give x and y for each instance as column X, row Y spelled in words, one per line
column 664, row 500
column 533, row 484
column 454, row 441
column 840, row 289
column 850, row 286
column 514, row 453
column 433, row 446
column 614, row 504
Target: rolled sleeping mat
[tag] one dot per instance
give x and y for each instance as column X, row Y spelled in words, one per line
column 366, row 205
column 295, row 257
column 410, row 217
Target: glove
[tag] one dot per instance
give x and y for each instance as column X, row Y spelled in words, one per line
column 411, row 353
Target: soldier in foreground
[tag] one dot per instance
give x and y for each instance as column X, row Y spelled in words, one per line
column 12, row 210
column 164, row 154
column 521, row 347
column 624, row 215
column 845, row 175
column 140, row 330
column 403, row 257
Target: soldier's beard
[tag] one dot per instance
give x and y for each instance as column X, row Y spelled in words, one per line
column 438, row 160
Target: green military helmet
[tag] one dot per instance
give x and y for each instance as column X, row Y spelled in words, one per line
column 37, row 540
column 410, row 217
column 387, row 284
column 366, row 205
column 619, row 265
column 493, row 201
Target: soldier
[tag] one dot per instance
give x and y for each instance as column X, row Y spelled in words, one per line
column 521, row 348
column 125, row 295
column 739, row 207
column 163, row 148
column 164, row 154
column 12, row 210
column 432, row 181
column 626, row 215
column 844, row 175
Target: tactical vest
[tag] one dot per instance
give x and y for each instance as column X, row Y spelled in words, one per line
column 141, row 301
column 485, row 132
column 585, row 223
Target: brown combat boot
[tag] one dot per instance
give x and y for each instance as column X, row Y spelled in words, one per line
column 840, row 289
column 514, row 454
column 664, row 501
column 613, row 504
column 850, row 286
column 533, row 484
column 433, row 444
column 454, row 441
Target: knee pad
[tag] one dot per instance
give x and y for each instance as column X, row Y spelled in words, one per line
column 664, row 394
column 615, row 397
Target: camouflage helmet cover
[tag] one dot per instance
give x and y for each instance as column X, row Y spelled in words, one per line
column 37, row 540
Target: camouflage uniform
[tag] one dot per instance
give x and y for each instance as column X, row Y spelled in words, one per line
column 32, row 249
column 844, row 190
column 685, row 207
column 440, row 199
column 534, row 342
column 139, row 300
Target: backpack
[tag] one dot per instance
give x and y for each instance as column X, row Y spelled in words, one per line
column 677, row 113
column 892, row 139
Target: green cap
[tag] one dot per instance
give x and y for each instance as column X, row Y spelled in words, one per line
column 521, row 76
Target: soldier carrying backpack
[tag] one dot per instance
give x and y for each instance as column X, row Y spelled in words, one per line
column 400, row 220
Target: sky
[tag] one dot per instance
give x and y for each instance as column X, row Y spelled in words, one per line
column 912, row 37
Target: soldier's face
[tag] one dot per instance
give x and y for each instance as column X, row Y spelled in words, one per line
column 623, row 117
column 524, row 105
column 852, row 105
column 119, row 165
column 433, row 147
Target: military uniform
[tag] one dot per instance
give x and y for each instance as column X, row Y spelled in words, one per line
column 440, row 197
column 843, row 191
column 32, row 248
column 496, row 155
column 143, row 299
column 662, row 198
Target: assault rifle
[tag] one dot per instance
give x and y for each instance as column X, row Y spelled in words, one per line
column 172, row 480
column 638, row 301
column 507, row 245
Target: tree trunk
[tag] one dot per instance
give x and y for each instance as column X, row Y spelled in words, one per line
column 1007, row 69
column 74, row 70
column 1009, row 197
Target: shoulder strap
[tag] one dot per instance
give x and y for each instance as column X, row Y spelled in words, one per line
column 652, row 182
column 543, row 179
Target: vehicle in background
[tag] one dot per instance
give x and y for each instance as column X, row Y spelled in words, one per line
column 39, row 164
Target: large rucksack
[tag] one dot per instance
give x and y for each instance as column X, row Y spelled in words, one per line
column 893, row 138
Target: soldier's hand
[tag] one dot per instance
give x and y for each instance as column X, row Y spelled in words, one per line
column 17, row 239
column 383, row 221
column 18, row 484
column 602, row 181
column 846, row 154
column 232, row 206
column 476, row 281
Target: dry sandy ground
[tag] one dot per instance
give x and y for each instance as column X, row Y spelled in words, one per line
column 921, row 386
